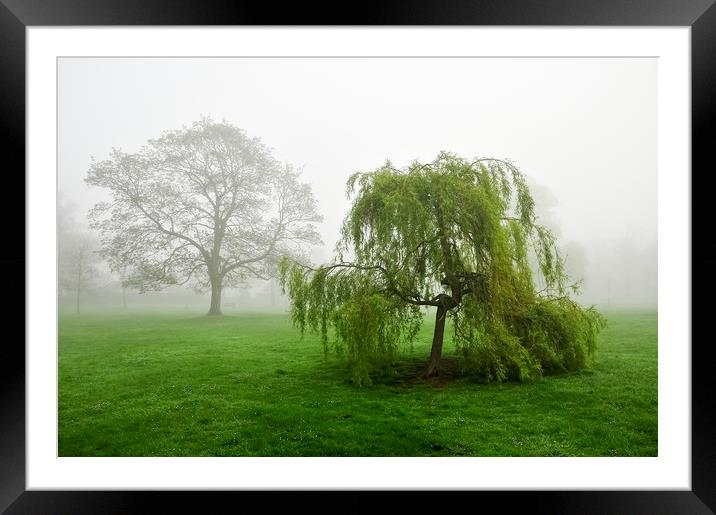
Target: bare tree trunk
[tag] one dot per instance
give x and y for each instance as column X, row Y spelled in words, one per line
column 79, row 280
column 437, row 349
column 123, row 284
column 215, row 307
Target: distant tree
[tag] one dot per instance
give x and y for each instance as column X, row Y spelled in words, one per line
column 575, row 259
column 205, row 205
column 77, row 254
column 456, row 236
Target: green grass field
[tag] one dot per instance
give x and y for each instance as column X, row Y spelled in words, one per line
column 187, row 385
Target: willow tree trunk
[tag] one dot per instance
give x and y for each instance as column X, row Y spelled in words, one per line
column 215, row 307
column 437, row 349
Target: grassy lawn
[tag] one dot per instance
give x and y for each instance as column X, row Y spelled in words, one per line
column 187, row 385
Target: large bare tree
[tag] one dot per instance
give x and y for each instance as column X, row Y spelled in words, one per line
column 205, row 205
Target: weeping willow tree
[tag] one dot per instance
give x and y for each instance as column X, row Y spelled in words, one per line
column 460, row 237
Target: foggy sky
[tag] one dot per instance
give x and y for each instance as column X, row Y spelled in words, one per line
column 583, row 129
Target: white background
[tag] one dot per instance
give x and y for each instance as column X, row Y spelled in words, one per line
column 670, row 470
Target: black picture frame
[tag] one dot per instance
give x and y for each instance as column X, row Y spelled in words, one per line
column 16, row 15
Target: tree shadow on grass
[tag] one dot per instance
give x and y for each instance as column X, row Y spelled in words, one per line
column 410, row 373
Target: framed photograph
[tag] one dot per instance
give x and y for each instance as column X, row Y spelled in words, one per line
column 248, row 235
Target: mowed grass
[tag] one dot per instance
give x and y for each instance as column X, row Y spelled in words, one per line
column 248, row 385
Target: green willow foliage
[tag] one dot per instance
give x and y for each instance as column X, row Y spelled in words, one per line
column 460, row 236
